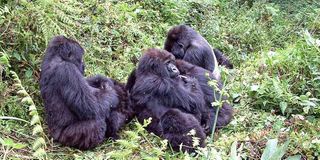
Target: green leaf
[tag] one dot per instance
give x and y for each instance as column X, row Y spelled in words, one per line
column 28, row 73
column 254, row 87
column 233, row 154
column 37, row 129
column 283, row 107
column 303, row 97
column 38, row 143
column 10, row 143
column 39, row 153
column 306, row 109
column 17, row 56
column 18, row 145
column 7, row 142
column 270, row 149
column 296, row 157
column 35, row 119
column 4, row 59
column 280, row 151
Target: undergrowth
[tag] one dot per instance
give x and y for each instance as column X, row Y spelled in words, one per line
column 275, row 86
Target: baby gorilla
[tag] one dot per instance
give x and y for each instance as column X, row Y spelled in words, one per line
column 175, row 103
column 121, row 113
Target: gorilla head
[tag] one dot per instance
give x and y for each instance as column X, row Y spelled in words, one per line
column 179, row 39
column 186, row 44
column 158, row 62
column 68, row 50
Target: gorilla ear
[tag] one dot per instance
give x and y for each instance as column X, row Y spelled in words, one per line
column 174, row 36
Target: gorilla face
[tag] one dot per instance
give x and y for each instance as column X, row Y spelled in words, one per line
column 178, row 40
column 178, row 50
column 172, row 69
column 158, row 62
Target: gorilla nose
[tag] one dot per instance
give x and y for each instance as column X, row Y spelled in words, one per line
column 175, row 70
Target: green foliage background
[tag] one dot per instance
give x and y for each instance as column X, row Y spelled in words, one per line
column 273, row 44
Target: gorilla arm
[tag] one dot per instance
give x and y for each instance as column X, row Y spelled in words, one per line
column 203, row 76
column 131, row 80
column 76, row 92
column 169, row 91
column 200, row 55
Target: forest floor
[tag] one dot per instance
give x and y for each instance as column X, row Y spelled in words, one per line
column 274, row 86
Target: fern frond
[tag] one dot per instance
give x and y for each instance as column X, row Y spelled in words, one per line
column 39, row 144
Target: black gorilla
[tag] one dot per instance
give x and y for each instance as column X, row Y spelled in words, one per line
column 175, row 103
column 120, row 113
column 185, row 43
column 76, row 108
column 210, row 95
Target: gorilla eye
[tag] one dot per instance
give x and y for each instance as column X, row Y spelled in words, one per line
column 169, row 61
column 180, row 45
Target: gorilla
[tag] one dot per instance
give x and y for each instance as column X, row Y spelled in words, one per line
column 186, row 44
column 175, row 103
column 78, row 110
column 120, row 114
column 203, row 76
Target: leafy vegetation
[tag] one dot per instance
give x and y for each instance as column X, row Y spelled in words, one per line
column 275, row 85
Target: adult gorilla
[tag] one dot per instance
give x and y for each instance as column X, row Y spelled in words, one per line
column 76, row 109
column 186, row 44
column 202, row 77
column 175, row 103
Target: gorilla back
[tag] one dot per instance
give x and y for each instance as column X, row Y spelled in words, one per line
column 75, row 112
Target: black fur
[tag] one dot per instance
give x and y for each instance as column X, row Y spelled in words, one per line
column 186, row 44
column 76, row 108
column 164, row 98
column 121, row 111
column 203, row 76
column 180, row 134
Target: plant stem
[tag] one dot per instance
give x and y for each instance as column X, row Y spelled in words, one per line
column 216, row 116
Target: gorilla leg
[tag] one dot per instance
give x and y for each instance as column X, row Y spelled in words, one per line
column 83, row 134
column 176, row 127
column 224, row 117
column 154, row 126
column 115, row 122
